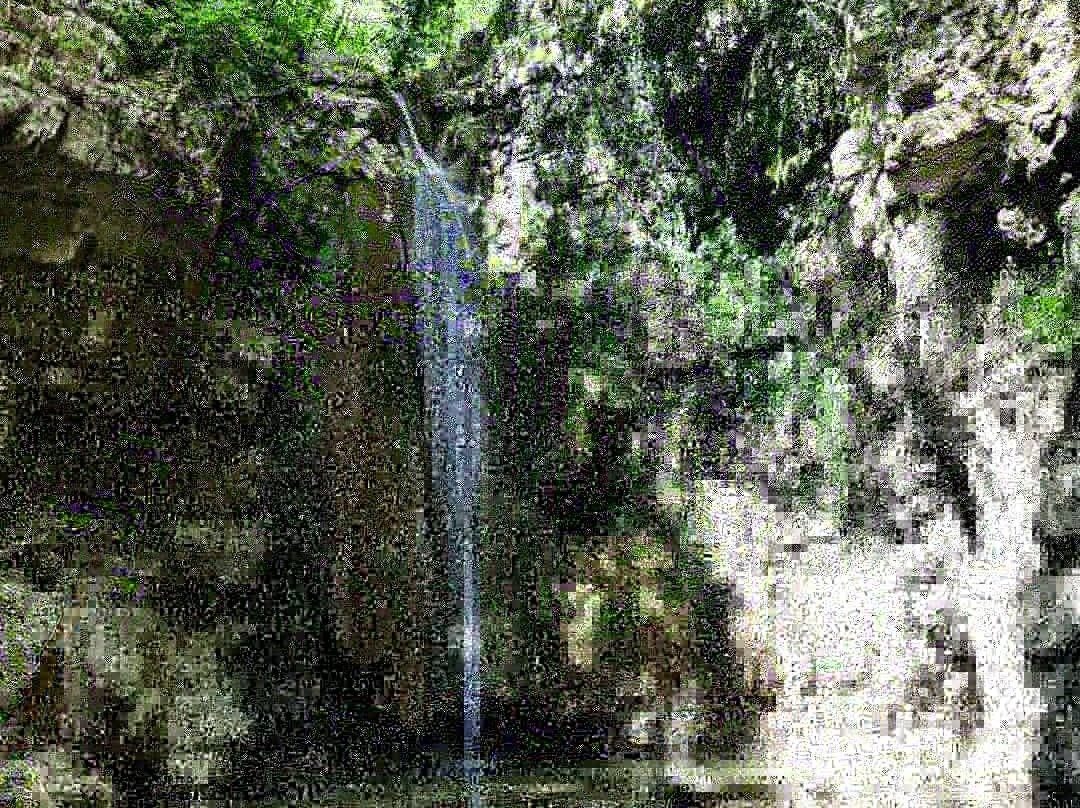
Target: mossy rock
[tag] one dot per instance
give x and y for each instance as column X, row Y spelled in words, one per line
column 28, row 620
column 20, row 785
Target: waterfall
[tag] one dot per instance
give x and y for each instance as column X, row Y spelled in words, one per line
column 444, row 267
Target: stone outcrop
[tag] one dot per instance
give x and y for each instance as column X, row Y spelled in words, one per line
column 87, row 147
column 29, row 620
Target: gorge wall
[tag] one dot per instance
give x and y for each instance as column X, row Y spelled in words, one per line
column 888, row 498
column 777, row 306
column 188, row 532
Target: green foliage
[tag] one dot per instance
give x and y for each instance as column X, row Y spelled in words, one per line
column 671, row 142
column 1050, row 318
column 1045, row 303
column 757, row 134
column 743, row 293
column 427, row 25
column 125, row 586
column 18, row 781
column 46, row 70
column 430, row 31
column 70, row 41
column 261, row 41
column 610, row 620
column 682, row 586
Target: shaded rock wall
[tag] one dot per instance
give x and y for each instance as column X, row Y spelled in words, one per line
column 143, row 448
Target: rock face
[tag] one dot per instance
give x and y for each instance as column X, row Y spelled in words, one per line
column 85, row 145
column 92, row 160
column 911, row 664
column 138, row 430
column 385, row 586
column 895, row 643
column 29, row 621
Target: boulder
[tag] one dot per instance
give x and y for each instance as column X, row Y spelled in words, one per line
column 849, row 156
column 1021, row 227
column 130, row 678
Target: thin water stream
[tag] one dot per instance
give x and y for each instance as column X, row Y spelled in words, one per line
column 442, row 261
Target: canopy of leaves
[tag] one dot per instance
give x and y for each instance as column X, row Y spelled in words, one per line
column 261, row 40
column 230, row 45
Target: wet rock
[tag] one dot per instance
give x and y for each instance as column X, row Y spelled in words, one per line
column 513, row 217
column 204, row 718
column 221, row 550
column 63, row 95
column 939, row 147
column 869, row 205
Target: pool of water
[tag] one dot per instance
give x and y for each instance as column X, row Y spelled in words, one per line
column 600, row 785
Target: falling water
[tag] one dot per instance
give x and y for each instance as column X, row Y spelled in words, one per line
column 442, row 260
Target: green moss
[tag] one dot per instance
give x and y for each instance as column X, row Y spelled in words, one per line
column 647, row 552
column 125, row 585
column 784, row 168
column 834, row 438
column 47, row 71
column 76, row 520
